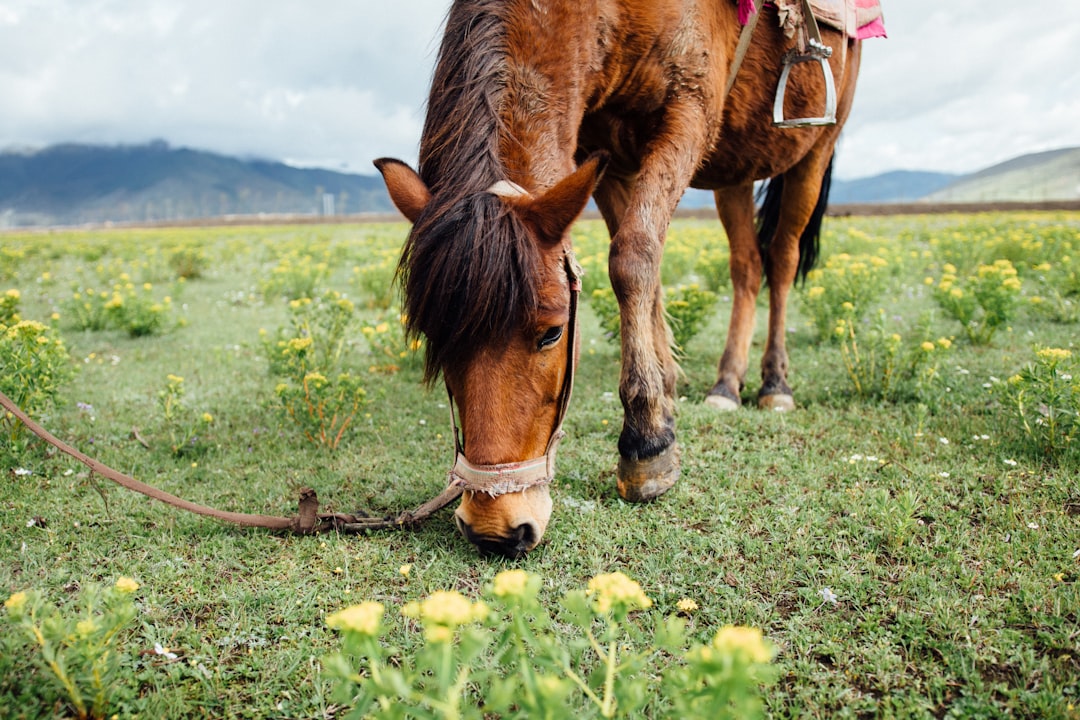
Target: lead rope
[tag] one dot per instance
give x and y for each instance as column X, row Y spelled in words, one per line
column 308, row 519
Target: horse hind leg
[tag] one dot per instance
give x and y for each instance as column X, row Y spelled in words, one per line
column 797, row 208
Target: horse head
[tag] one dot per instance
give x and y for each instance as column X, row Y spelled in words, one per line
column 489, row 280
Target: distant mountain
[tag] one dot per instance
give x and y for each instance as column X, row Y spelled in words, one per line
column 75, row 184
column 890, row 187
column 1051, row 175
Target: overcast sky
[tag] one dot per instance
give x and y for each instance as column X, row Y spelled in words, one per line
column 958, row 86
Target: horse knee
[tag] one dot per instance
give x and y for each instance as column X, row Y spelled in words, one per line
column 633, row 266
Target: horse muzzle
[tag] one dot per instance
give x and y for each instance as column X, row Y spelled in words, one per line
column 507, row 525
column 505, row 508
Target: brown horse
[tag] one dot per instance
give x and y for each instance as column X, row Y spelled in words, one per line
column 535, row 105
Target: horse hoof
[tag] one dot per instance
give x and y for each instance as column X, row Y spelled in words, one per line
column 778, row 402
column 721, row 402
column 648, row 479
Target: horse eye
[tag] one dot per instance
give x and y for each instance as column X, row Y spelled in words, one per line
column 550, row 337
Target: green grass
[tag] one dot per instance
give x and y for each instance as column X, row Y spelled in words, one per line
column 954, row 570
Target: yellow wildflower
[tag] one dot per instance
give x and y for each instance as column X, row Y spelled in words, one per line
column 927, row 346
column 949, row 268
column 126, row 585
column 815, row 292
column 615, row 588
column 16, row 602
column 13, row 294
column 382, row 327
column 511, row 583
column 686, row 605
column 298, row 344
column 438, row 634
column 944, row 342
column 956, row 293
column 446, row 607
column 1053, row 355
column 207, row 418
column 363, row 618
column 747, row 641
column 175, row 379
column 314, row 377
column 85, row 627
column 1011, row 283
column 405, row 569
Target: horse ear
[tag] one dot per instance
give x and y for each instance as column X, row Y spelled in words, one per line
column 552, row 212
column 407, row 190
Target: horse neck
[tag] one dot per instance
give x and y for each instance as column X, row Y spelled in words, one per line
column 506, row 94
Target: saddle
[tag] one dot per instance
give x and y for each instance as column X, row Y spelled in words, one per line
column 858, row 19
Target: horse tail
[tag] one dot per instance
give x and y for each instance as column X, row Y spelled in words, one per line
column 768, row 217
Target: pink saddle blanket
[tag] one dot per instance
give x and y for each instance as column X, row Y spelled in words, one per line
column 861, row 19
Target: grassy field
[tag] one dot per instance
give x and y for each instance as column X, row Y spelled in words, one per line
column 909, row 548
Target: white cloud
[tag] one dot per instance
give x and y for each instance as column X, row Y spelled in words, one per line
column 956, row 87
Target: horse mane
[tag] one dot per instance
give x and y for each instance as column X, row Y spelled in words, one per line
column 459, row 144
column 469, row 270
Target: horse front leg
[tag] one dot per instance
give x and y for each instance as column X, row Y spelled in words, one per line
column 648, row 453
column 736, row 209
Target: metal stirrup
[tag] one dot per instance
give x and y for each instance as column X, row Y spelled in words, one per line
column 816, row 51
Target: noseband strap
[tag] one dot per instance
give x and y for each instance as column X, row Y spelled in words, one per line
column 511, row 477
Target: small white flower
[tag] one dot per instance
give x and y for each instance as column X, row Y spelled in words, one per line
column 1066, row 376
column 871, row 458
column 988, row 385
column 1033, row 526
column 31, row 522
column 1010, row 462
column 164, row 651
column 943, row 440
column 943, row 474
column 423, row 422
column 827, row 595
column 984, row 437
column 23, row 471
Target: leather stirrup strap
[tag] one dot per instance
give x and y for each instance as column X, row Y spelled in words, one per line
column 740, row 50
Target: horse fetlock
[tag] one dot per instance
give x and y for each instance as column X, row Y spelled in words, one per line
column 643, row 480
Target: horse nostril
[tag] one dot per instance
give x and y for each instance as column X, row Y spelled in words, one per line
column 519, row 541
column 524, row 536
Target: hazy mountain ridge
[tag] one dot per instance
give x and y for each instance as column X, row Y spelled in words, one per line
column 77, row 184
column 74, row 184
